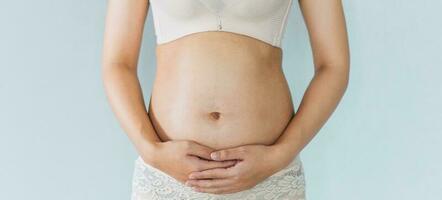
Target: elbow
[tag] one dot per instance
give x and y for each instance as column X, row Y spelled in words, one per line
column 107, row 71
column 111, row 69
column 338, row 72
column 344, row 76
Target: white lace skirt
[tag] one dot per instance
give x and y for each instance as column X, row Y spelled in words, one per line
column 150, row 183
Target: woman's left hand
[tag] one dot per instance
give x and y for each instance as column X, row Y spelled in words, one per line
column 254, row 164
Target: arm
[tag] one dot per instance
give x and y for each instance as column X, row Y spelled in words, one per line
column 122, row 39
column 325, row 22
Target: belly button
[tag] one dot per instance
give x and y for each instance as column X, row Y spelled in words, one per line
column 215, row 115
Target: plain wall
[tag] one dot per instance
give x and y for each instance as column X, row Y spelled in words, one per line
column 60, row 140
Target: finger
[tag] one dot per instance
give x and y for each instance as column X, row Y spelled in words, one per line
column 229, row 154
column 210, row 183
column 209, row 164
column 199, row 150
column 212, row 173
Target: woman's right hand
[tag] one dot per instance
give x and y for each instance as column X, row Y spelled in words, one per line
column 178, row 158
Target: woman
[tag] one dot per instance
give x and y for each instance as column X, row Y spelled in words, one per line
column 221, row 122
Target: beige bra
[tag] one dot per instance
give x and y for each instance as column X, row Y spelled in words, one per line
column 264, row 20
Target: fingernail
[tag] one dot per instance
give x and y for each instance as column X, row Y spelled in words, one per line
column 214, row 155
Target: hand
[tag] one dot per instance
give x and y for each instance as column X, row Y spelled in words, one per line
column 255, row 163
column 179, row 158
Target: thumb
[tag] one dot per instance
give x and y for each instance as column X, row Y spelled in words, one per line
column 228, row 154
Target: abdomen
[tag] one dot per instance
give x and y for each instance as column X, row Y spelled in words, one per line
column 220, row 94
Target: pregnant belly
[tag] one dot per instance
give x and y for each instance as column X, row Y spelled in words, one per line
column 221, row 109
column 225, row 98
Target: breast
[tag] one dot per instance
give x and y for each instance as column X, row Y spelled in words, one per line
column 250, row 9
column 256, row 10
column 219, row 94
column 180, row 8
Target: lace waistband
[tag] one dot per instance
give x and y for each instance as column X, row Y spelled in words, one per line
column 154, row 184
column 294, row 165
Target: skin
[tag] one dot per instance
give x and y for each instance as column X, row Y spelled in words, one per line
column 222, row 157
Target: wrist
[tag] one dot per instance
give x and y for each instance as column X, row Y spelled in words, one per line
column 283, row 154
column 148, row 151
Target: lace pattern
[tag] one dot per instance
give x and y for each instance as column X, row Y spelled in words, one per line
column 149, row 183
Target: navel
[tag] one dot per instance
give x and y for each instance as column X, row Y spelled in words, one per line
column 215, row 115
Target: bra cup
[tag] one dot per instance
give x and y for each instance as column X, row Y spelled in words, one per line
column 255, row 10
column 213, row 6
column 181, row 9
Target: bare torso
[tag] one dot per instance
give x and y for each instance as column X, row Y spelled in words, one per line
column 221, row 90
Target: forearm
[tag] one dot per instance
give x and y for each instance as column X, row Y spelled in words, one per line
column 318, row 103
column 125, row 96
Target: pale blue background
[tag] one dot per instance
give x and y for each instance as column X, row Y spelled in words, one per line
column 59, row 139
